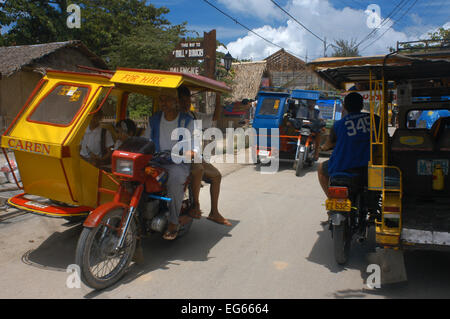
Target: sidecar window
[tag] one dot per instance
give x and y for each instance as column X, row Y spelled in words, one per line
column 60, row 106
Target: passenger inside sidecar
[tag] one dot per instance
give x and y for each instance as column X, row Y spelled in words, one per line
column 97, row 143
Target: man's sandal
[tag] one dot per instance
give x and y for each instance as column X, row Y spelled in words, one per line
column 171, row 235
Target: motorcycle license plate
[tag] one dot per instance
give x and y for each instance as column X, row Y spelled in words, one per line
column 264, row 153
column 341, row 205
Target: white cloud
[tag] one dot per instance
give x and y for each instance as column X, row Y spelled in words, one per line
column 416, row 18
column 263, row 9
column 322, row 19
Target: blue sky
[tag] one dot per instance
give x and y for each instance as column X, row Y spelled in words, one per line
column 330, row 19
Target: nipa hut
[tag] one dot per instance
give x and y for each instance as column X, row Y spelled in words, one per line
column 247, row 79
column 246, row 84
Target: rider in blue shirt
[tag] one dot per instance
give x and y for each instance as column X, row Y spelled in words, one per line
column 350, row 138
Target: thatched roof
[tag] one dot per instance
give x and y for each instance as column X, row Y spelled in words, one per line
column 247, row 79
column 283, row 61
column 13, row 58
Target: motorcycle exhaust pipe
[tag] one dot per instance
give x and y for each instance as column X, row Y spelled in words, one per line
column 159, row 222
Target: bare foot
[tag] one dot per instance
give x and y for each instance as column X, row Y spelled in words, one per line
column 217, row 218
column 195, row 212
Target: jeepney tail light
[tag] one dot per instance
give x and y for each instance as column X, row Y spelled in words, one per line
column 337, row 192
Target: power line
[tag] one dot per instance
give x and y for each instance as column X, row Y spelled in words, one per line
column 324, row 41
column 247, row 28
column 391, row 25
column 296, row 20
column 236, row 21
column 403, row 23
column 383, row 22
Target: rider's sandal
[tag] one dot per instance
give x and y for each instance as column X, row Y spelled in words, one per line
column 171, row 235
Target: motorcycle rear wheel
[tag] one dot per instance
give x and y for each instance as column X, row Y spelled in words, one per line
column 101, row 266
column 341, row 241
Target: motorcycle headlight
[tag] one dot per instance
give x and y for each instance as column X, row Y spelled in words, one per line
column 305, row 132
column 124, row 166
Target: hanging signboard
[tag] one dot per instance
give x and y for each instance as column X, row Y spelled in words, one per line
column 189, row 50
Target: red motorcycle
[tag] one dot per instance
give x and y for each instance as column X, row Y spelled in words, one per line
column 140, row 208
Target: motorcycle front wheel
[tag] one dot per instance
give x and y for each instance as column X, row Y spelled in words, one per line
column 100, row 263
column 299, row 163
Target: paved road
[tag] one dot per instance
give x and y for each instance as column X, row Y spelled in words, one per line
column 276, row 248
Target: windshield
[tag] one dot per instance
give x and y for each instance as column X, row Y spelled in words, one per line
column 60, row 106
column 417, row 119
column 301, row 108
column 269, row 106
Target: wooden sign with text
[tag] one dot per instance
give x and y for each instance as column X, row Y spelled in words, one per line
column 189, row 50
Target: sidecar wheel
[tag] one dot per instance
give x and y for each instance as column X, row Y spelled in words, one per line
column 101, row 266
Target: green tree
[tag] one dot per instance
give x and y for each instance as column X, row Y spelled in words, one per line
column 343, row 48
column 146, row 47
column 33, row 22
column 104, row 23
column 440, row 34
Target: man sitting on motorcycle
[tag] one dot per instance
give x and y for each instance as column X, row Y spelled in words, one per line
column 350, row 138
column 161, row 126
column 316, row 119
column 203, row 170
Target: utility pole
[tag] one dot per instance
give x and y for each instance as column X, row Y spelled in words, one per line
column 325, row 47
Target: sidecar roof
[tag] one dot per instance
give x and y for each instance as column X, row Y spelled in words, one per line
column 161, row 80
